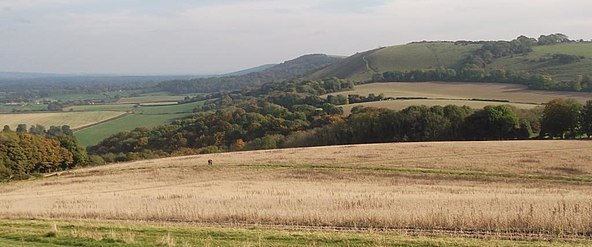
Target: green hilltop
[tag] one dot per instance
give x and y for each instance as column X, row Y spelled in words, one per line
column 551, row 62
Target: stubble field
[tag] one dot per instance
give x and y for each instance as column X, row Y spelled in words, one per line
column 474, row 95
column 529, row 189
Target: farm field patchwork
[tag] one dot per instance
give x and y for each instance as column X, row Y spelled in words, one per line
column 73, row 119
column 518, row 190
column 143, row 116
column 463, row 90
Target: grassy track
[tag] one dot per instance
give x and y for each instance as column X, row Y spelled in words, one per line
column 89, row 233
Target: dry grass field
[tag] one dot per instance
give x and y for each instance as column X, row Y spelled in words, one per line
column 74, row 119
column 462, row 90
column 513, row 188
column 402, row 104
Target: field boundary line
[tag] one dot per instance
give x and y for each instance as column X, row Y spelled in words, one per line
column 125, row 114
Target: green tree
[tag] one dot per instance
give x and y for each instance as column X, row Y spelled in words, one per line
column 493, row 122
column 586, row 119
column 21, row 128
column 560, row 118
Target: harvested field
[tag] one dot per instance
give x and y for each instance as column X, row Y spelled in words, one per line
column 402, row 104
column 462, row 90
column 512, row 188
column 74, row 119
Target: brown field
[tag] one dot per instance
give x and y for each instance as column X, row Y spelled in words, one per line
column 402, row 104
column 512, row 188
column 74, row 119
column 462, row 90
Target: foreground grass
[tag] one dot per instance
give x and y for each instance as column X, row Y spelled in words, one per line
column 90, row 233
column 537, row 190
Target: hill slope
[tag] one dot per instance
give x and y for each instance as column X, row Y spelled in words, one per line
column 285, row 71
column 362, row 66
column 422, row 186
column 562, row 62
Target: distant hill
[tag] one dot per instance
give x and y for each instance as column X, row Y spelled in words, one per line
column 560, row 64
column 250, row 70
column 288, row 70
column 362, row 66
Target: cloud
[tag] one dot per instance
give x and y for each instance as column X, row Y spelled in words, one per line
column 21, row 4
column 138, row 36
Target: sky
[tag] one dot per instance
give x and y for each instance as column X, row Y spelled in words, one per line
column 209, row 36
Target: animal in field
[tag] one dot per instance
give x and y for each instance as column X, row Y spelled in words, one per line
column 210, row 162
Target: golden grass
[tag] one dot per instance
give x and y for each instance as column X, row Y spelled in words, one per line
column 74, row 119
column 513, row 186
column 462, row 90
column 402, row 104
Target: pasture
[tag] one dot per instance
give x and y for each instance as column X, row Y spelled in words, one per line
column 142, row 116
column 74, row 119
column 499, row 191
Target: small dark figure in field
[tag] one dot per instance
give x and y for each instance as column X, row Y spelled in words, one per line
column 210, row 162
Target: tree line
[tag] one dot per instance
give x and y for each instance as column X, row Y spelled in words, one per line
column 37, row 150
column 293, row 114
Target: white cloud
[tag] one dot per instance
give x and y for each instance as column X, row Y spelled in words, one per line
column 226, row 36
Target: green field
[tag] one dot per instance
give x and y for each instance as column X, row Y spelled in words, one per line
column 26, row 108
column 142, row 116
column 150, row 99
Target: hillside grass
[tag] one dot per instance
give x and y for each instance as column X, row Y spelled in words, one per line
column 362, row 66
column 73, row 119
column 514, row 190
column 419, row 56
column 530, row 61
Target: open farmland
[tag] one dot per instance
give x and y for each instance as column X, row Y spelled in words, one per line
column 463, row 90
column 150, row 99
column 402, row 104
column 475, row 95
column 142, row 116
column 498, row 190
column 74, row 119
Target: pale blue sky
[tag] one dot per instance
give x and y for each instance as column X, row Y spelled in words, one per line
column 207, row 36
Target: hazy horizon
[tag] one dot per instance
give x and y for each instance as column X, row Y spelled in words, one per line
column 134, row 37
